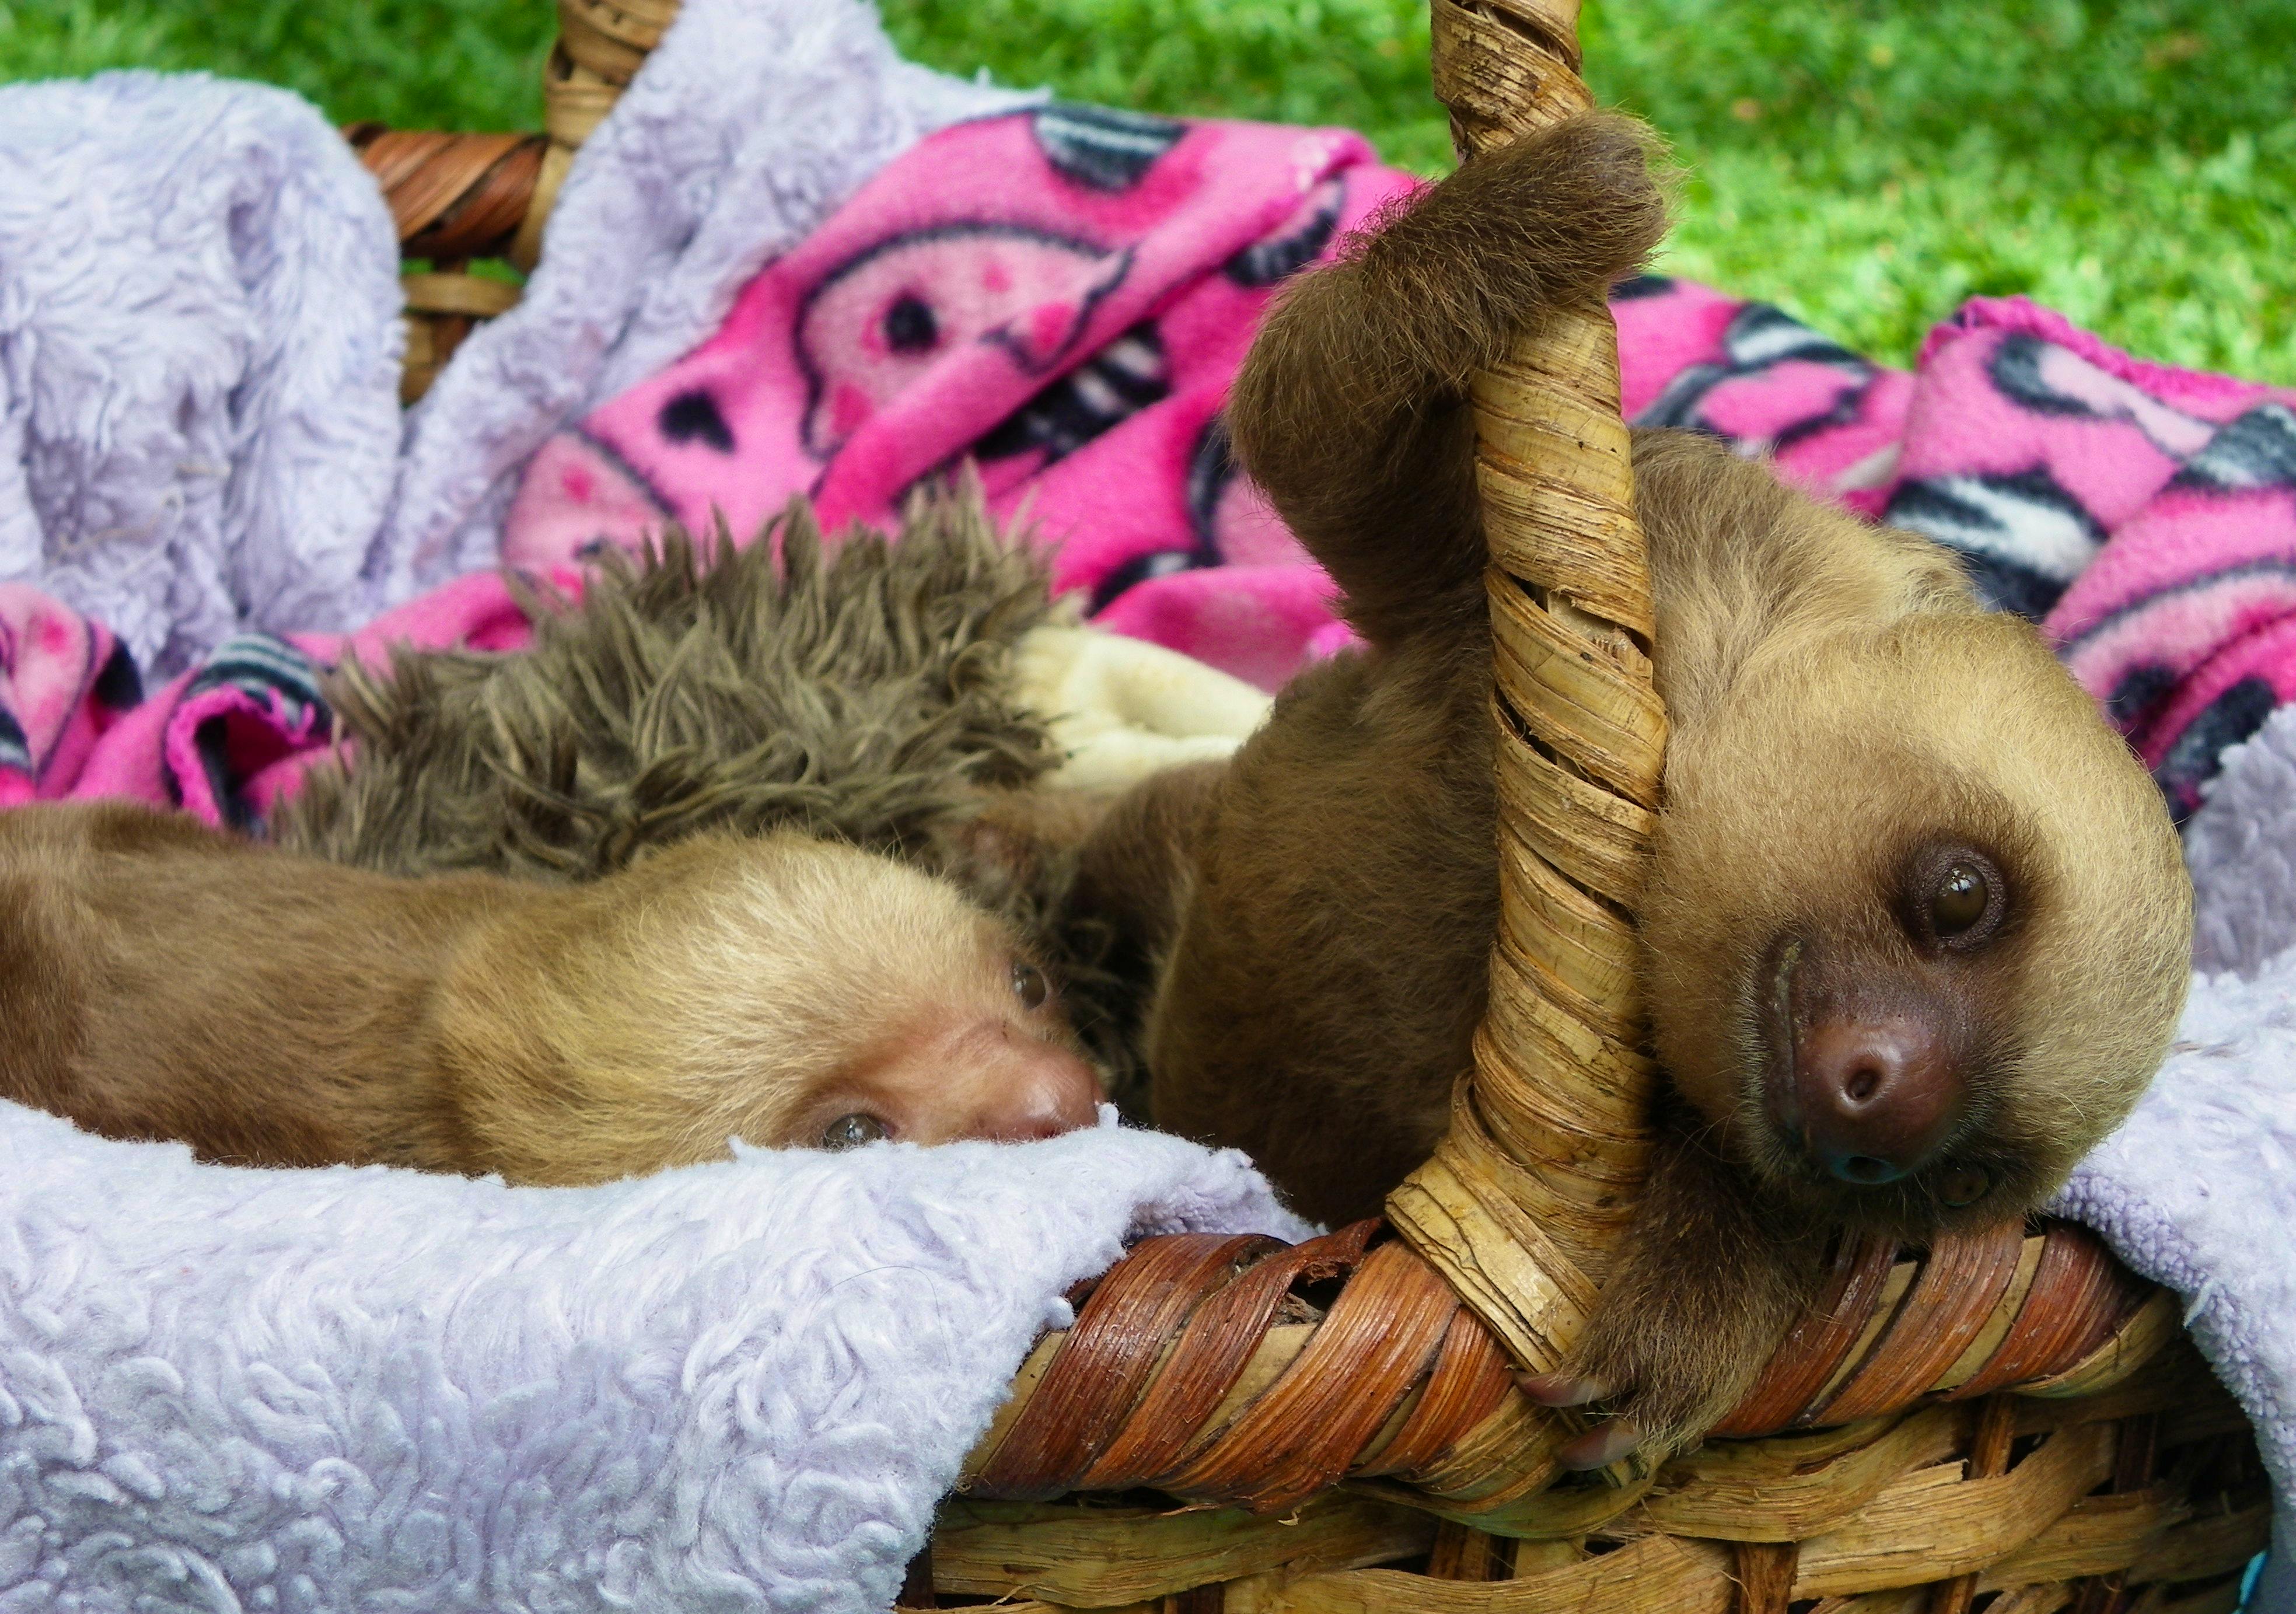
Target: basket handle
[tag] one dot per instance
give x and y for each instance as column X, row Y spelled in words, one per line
column 1528, row 1193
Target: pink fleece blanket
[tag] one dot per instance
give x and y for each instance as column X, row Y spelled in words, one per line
column 1061, row 297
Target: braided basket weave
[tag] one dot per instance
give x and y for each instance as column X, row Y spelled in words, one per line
column 2007, row 1421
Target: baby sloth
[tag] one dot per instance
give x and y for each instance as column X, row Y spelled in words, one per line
column 163, row 981
column 1916, row 930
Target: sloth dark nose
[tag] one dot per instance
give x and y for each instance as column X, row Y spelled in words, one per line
column 1874, row 1096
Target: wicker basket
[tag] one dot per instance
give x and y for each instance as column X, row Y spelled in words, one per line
column 2009, row 1422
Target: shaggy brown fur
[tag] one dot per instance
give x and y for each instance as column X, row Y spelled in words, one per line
column 863, row 697
column 1851, row 738
column 163, row 981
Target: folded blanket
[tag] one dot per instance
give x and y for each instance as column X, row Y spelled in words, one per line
column 199, row 361
column 2196, row 1190
column 2241, row 846
column 737, row 1386
column 751, row 122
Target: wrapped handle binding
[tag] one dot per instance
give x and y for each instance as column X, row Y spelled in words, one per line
column 1549, row 1137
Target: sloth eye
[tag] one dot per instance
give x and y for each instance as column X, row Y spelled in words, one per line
column 1957, row 898
column 1964, row 1185
column 1959, row 901
column 1029, row 986
column 852, row 1131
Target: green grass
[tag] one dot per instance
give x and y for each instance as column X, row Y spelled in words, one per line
column 1867, row 165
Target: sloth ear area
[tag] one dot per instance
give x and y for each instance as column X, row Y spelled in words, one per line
column 1014, row 843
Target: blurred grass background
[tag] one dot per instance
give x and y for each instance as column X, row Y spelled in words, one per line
column 1865, row 164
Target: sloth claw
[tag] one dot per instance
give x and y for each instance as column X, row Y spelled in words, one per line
column 1561, row 1390
column 1601, row 1446
column 1658, row 1401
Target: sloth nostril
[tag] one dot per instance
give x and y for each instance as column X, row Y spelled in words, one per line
column 1872, row 1094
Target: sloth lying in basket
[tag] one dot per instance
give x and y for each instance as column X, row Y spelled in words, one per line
column 1916, row 930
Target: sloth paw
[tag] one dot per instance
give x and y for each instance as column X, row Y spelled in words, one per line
column 1660, row 1394
column 1698, row 1298
column 1699, row 1294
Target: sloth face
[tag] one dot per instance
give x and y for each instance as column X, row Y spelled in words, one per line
column 1918, row 930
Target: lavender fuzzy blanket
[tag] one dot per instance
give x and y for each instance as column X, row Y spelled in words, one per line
column 2198, row 1190
column 735, row 1387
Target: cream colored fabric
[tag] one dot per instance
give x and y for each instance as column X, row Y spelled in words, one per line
column 1123, row 708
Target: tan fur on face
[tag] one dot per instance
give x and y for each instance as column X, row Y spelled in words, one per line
column 166, row 981
column 702, row 995
column 1796, row 799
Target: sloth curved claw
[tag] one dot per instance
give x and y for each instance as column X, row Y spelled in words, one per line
column 1561, row 1390
column 1603, row 1446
